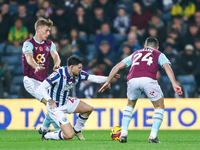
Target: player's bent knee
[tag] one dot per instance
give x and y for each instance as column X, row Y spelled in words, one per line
column 68, row 135
column 71, row 135
column 91, row 108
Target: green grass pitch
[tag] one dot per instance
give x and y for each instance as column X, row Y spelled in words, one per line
column 100, row 140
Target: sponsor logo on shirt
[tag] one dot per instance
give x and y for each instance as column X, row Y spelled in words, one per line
column 36, row 48
column 64, row 119
column 25, row 49
column 41, row 49
column 152, row 93
column 47, row 48
column 53, row 75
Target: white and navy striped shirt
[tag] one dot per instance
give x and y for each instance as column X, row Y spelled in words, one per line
column 61, row 83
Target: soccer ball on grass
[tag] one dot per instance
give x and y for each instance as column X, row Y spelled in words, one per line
column 115, row 132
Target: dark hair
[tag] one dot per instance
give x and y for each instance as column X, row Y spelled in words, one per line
column 73, row 60
column 193, row 24
column 197, row 40
column 152, row 27
column 20, row 19
column 151, row 42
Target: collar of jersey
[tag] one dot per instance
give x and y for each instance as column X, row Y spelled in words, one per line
column 37, row 41
column 67, row 74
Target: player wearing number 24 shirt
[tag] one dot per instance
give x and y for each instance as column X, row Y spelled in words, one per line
column 142, row 77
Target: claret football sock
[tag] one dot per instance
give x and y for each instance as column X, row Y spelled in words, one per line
column 127, row 115
column 157, row 120
column 79, row 123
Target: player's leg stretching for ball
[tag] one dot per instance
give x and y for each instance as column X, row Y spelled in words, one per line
column 67, row 131
column 154, row 93
column 127, row 115
column 157, row 120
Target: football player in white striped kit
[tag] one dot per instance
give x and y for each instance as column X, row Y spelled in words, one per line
column 59, row 103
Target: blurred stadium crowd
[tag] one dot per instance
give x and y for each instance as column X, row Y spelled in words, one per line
column 102, row 33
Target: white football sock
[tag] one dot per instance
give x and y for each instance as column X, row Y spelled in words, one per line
column 80, row 121
column 57, row 135
column 153, row 134
column 124, row 133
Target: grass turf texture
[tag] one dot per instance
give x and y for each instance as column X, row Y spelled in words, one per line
column 101, row 140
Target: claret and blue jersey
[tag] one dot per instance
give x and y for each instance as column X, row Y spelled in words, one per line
column 41, row 51
column 145, row 63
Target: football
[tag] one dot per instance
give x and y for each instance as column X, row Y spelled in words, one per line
column 115, row 132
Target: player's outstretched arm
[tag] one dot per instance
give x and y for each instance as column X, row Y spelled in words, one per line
column 171, row 76
column 112, row 74
column 56, row 59
column 32, row 62
column 42, row 90
column 100, row 79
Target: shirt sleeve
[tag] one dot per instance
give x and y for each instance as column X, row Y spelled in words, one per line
column 84, row 75
column 97, row 79
column 53, row 47
column 27, row 47
column 43, row 89
column 163, row 59
column 128, row 61
column 53, row 78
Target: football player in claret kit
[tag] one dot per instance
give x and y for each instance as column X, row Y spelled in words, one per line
column 142, row 77
column 60, row 82
column 35, row 58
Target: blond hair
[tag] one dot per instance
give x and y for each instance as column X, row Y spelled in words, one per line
column 43, row 22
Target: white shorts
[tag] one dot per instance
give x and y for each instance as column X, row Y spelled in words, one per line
column 31, row 86
column 136, row 85
column 58, row 114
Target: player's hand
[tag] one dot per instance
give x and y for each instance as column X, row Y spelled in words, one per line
column 105, row 86
column 39, row 68
column 177, row 89
column 56, row 67
column 52, row 104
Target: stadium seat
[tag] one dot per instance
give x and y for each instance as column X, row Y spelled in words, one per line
column 10, row 50
column 19, row 70
column 16, row 70
column 11, row 68
column 11, row 60
column 188, row 82
column 17, row 80
column 83, row 37
column 91, row 38
column 167, row 81
column 14, row 89
column 120, row 38
column 2, row 46
column 90, row 50
column 13, row 96
column 13, row 8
